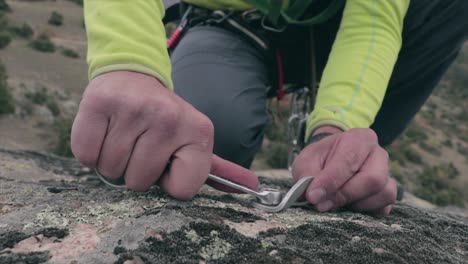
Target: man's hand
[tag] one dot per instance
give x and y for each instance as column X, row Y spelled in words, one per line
column 129, row 125
column 350, row 168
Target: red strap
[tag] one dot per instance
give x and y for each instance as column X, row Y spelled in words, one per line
column 279, row 65
column 175, row 37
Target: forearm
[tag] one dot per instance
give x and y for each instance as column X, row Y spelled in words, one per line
column 360, row 64
column 127, row 35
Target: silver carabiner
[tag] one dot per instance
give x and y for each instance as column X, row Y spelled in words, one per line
column 267, row 199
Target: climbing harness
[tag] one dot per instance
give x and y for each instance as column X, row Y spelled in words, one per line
column 267, row 199
column 268, row 16
column 300, row 108
column 281, row 13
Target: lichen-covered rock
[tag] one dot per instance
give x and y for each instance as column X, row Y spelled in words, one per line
column 53, row 210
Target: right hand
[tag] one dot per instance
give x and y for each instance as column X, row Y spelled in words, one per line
column 129, row 125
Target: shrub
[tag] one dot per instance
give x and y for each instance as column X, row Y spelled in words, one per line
column 42, row 97
column 448, row 143
column 24, row 31
column 56, row 19
column 63, row 129
column 53, row 107
column 5, row 39
column 43, row 44
column 7, row 105
column 433, row 186
column 395, row 171
column 4, row 7
column 411, row 155
column 276, row 132
column 38, row 97
column 429, row 148
column 403, row 153
column 462, row 150
column 416, row 133
column 277, row 155
column 70, row 53
column 3, row 22
column 78, row 2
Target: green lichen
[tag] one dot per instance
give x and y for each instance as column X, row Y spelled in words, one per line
column 217, row 249
column 48, row 218
column 95, row 214
column 192, row 236
column 266, row 244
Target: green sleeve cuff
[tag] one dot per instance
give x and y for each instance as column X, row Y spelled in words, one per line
column 127, row 35
column 134, row 68
column 324, row 117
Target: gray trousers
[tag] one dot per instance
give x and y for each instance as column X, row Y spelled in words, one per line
column 225, row 77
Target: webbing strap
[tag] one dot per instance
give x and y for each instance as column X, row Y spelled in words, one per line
column 295, row 11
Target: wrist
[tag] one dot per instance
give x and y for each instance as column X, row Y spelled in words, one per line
column 323, row 132
column 327, row 129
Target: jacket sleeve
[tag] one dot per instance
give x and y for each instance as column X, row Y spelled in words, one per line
column 360, row 64
column 127, row 35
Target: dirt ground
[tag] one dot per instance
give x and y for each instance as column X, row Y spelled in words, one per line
column 65, row 78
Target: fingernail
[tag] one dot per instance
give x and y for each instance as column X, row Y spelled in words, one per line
column 325, row 206
column 316, row 195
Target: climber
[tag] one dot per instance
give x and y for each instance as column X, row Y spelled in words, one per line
column 152, row 118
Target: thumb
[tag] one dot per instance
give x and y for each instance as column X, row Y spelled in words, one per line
column 233, row 172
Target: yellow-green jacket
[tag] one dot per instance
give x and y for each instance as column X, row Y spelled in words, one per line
column 129, row 35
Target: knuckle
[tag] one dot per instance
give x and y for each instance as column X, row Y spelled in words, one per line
column 364, row 134
column 168, row 117
column 165, row 114
column 203, row 131
column 351, row 159
column 384, row 154
column 99, row 100
column 371, row 135
column 205, row 126
column 342, row 198
column 375, row 182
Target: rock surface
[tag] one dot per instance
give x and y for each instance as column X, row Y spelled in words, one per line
column 53, row 210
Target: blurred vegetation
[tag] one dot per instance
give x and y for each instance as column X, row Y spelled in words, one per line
column 56, row 19
column 404, row 153
column 4, row 7
column 78, row 2
column 5, row 39
column 43, row 44
column 70, row 53
column 42, row 97
column 5, row 36
column 7, row 104
column 434, row 185
column 430, row 147
column 23, row 31
column 395, row 171
column 277, row 155
column 63, row 129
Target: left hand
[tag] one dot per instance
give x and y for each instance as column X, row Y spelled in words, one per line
column 350, row 168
